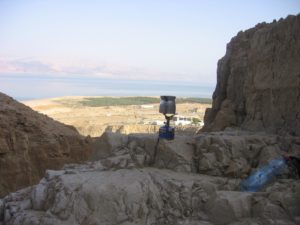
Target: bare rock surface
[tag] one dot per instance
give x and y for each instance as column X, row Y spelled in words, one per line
column 258, row 80
column 136, row 180
column 148, row 129
column 233, row 153
column 31, row 142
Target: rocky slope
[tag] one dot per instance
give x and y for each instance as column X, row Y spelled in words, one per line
column 125, row 184
column 31, row 142
column 258, row 80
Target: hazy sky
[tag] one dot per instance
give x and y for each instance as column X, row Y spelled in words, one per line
column 126, row 39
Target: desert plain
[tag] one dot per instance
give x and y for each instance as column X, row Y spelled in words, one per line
column 130, row 118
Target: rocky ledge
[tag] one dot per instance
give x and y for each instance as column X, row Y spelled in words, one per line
column 189, row 181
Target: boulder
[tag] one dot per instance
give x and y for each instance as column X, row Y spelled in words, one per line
column 176, row 155
column 237, row 154
column 107, row 144
column 91, row 194
column 145, row 150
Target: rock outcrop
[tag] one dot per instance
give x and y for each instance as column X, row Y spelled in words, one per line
column 31, row 142
column 258, row 80
column 98, row 130
column 128, row 183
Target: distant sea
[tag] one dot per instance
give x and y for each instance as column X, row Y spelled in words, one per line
column 29, row 87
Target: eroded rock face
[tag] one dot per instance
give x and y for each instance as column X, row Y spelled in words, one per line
column 258, row 80
column 31, row 142
column 126, row 185
column 233, row 154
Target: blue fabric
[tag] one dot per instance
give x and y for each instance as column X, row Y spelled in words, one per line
column 263, row 175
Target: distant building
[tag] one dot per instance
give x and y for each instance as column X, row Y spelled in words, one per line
column 182, row 120
column 186, row 120
column 147, row 106
column 159, row 122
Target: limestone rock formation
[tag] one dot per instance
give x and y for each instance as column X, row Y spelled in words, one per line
column 234, row 154
column 258, row 80
column 31, row 142
column 125, row 184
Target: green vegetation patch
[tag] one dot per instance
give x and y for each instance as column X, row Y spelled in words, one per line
column 110, row 101
column 194, row 100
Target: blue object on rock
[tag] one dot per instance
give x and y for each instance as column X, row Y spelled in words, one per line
column 263, row 175
column 166, row 132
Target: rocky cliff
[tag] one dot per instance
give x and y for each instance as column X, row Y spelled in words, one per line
column 31, row 142
column 258, row 80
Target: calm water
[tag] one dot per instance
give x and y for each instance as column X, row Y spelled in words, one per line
column 33, row 87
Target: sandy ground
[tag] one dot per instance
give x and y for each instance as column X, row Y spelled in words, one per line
column 68, row 110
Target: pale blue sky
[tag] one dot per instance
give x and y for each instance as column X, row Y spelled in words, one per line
column 126, row 39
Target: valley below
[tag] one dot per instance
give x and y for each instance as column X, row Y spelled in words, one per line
column 95, row 115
